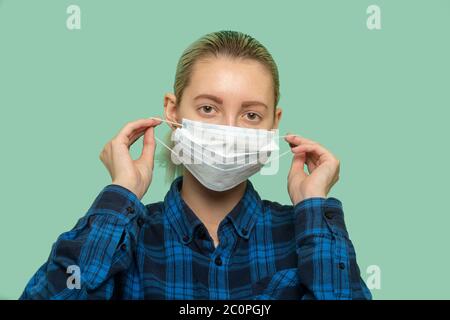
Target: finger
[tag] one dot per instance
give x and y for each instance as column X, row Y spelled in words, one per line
column 136, row 135
column 128, row 130
column 314, row 152
column 310, row 156
column 311, row 159
column 296, row 139
column 298, row 165
column 316, row 149
column 311, row 164
column 288, row 138
column 148, row 149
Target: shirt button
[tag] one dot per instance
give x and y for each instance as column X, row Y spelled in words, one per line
column 244, row 232
column 123, row 247
column 341, row 265
column 130, row 209
column 140, row 222
column 185, row 238
column 218, row 261
column 329, row 215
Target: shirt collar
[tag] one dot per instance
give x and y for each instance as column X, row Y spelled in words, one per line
column 243, row 216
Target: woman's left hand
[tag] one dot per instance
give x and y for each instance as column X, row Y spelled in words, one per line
column 323, row 169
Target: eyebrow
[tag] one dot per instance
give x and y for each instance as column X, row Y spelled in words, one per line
column 210, row 97
column 220, row 101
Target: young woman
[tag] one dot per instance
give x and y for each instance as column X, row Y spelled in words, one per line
column 212, row 237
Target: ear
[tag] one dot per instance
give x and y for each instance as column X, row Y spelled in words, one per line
column 276, row 120
column 170, row 109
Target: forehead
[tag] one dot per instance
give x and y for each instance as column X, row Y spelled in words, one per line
column 231, row 78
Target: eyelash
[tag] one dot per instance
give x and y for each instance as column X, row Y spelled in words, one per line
column 256, row 114
column 202, row 109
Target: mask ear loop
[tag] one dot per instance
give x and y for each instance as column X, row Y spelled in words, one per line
column 167, row 121
column 285, row 152
column 173, row 127
column 159, row 140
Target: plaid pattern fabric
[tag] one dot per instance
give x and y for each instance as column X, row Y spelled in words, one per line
column 127, row 250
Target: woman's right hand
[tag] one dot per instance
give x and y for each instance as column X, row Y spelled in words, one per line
column 135, row 175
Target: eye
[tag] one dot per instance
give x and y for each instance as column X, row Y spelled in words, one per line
column 207, row 109
column 252, row 116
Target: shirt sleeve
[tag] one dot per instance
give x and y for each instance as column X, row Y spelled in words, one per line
column 326, row 256
column 84, row 260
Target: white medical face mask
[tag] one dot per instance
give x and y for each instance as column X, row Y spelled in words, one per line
column 219, row 156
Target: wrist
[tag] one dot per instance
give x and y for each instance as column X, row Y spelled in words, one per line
column 314, row 195
column 306, row 196
column 128, row 187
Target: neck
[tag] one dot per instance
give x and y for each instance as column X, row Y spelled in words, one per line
column 210, row 206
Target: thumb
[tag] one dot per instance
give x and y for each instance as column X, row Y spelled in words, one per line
column 148, row 149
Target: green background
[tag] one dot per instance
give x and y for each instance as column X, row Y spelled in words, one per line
column 379, row 100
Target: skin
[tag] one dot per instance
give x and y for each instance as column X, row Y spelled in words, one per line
column 234, row 92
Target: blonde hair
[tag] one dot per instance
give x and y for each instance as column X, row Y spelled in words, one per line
column 232, row 44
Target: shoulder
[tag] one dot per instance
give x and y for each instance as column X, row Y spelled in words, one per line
column 278, row 212
column 276, row 206
column 155, row 211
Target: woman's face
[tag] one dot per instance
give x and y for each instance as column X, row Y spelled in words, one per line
column 234, row 92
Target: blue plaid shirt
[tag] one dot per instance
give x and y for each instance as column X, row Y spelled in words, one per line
column 127, row 250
